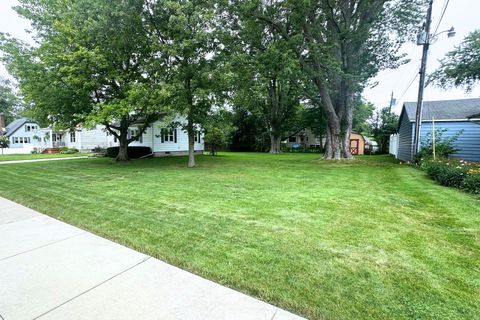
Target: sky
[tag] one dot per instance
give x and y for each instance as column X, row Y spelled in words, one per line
column 461, row 14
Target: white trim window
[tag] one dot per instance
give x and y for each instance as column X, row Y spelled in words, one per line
column 133, row 133
column 169, row 135
column 198, row 137
column 72, row 137
column 29, row 128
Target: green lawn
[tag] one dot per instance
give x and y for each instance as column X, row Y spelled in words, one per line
column 366, row 239
column 12, row 157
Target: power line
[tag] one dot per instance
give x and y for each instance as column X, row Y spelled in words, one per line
column 445, row 5
column 409, row 85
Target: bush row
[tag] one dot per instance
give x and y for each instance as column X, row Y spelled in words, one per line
column 66, row 150
column 455, row 173
column 133, row 152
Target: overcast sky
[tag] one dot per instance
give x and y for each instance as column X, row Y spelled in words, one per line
column 461, row 14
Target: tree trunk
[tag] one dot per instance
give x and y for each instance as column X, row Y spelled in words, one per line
column 123, row 146
column 191, row 140
column 275, row 143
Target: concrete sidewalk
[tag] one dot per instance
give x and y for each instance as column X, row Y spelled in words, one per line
column 51, row 270
column 42, row 160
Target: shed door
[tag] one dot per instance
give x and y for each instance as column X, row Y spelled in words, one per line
column 354, row 143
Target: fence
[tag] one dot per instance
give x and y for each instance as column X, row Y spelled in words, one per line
column 23, row 150
column 393, row 149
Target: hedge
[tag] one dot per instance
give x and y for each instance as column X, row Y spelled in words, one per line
column 455, row 173
column 133, row 152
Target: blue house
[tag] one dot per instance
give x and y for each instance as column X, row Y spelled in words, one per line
column 454, row 115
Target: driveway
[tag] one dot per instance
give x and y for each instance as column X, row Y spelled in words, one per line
column 52, row 270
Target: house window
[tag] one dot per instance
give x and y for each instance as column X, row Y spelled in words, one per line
column 72, row 136
column 133, row 133
column 292, row 139
column 169, row 135
column 198, row 137
column 56, row 137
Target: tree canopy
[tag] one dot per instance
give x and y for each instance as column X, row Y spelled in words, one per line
column 460, row 67
column 9, row 102
column 340, row 46
column 92, row 65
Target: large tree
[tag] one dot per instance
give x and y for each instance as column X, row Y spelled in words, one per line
column 267, row 79
column 186, row 32
column 92, row 65
column 340, row 45
column 460, row 67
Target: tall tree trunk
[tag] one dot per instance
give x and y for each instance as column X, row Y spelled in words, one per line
column 275, row 143
column 123, row 146
column 191, row 139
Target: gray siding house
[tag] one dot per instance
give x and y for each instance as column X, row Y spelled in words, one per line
column 454, row 115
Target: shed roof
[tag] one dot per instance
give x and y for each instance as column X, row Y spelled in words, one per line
column 444, row 110
column 16, row 124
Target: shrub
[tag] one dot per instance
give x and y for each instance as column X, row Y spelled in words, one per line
column 133, row 152
column 472, row 183
column 66, row 150
column 444, row 146
column 99, row 149
column 455, row 173
column 215, row 139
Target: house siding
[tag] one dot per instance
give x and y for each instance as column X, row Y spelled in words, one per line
column 405, row 138
column 22, row 133
column 468, row 141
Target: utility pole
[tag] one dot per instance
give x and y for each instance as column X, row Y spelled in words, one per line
column 392, row 102
column 425, row 41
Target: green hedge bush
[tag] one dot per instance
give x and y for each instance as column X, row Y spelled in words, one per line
column 66, row 150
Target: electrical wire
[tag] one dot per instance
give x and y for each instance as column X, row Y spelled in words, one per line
column 409, row 85
column 445, row 6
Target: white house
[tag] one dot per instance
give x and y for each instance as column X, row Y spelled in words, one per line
column 162, row 141
column 304, row 138
column 20, row 134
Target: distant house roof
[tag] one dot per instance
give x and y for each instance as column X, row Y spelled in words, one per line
column 474, row 116
column 16, row 124
column 444, row 110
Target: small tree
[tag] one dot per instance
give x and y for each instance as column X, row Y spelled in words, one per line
column 215, row 139
column 383, row 124
column 444, row 146
column 4, row 142
column 219, row 130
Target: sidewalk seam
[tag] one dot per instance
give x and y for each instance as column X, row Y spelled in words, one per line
column 92, row 288
column 43, row 246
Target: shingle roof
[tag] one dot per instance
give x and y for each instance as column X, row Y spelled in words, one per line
column 444, row 110
column 14, row 125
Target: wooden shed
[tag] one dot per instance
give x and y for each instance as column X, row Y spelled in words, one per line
column 357, row 144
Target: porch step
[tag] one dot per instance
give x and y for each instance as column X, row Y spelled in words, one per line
column 51, row 150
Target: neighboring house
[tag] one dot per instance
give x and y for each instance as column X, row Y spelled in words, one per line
column 20, row 132
column 172, row 141
column 303, row 138
column 457, row 116
column 371, row 146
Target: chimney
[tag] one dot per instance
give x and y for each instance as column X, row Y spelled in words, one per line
column 2, row 124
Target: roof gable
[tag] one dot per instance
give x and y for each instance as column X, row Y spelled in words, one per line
column 16, row 124
column 443, row 110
